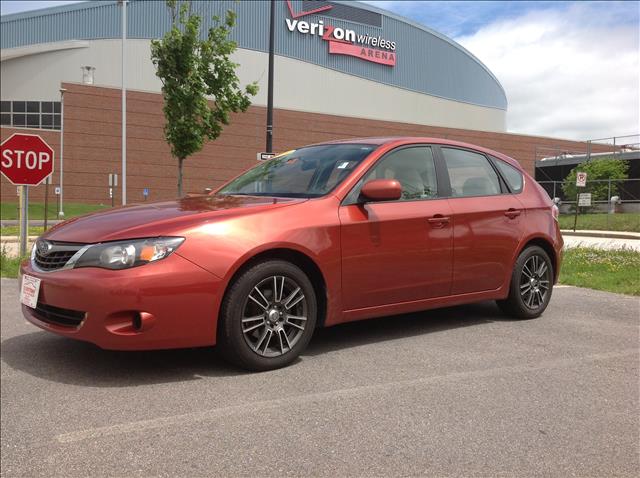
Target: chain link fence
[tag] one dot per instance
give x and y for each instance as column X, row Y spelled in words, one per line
column 614, row 204
column 625, row 194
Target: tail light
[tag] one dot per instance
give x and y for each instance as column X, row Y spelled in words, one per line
column 555, row 212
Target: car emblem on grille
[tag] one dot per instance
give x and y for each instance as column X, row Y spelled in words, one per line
column 44, row 247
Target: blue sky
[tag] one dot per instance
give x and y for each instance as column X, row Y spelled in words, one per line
column 453, row 18
column 570, row 69
column 12, row 6
column 462, row 18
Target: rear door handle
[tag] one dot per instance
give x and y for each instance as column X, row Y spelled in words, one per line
column 438, row 220
column 512, row 213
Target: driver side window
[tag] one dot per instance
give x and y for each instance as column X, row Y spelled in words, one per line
column 412, row 167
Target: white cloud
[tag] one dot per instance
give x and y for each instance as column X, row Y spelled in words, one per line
column 568, row 73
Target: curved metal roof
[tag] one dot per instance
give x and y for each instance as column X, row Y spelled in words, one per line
column 426, row 61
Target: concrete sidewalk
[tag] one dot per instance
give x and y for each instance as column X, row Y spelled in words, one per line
column 35, row 223
column 10, row 245
column 602, row 234
column 602, row 239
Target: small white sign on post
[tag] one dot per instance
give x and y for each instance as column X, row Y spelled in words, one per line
column 581, row 180
column 584, row 200
column 265, row 156
column 113, row 180
column 57, row 190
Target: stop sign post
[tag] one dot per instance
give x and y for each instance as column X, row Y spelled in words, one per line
column 25, row 160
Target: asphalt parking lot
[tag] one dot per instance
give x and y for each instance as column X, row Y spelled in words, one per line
column 454, row 392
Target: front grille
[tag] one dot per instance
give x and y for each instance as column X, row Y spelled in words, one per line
column 59, row 316
column 56, row 257
column 53, row 260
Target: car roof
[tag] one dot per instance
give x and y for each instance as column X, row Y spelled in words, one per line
column 403, row 140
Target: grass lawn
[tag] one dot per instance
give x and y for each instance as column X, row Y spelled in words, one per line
column 9, row 265
column 603, row 222
column 9, row 210
column 612, row 271
column 15, row 230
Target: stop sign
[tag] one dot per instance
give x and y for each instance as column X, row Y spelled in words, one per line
column 26, row 159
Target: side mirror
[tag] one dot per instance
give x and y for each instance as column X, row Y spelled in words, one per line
column 381, row 190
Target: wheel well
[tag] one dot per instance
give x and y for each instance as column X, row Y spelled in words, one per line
column 548, row 248
column 305, row 263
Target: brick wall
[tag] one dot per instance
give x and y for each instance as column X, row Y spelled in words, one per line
column 92, row 144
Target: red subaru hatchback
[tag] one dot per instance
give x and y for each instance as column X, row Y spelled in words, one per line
column 321, row 235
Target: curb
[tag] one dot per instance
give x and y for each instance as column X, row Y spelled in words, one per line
column 602, row 234
column 32, row 223
column 16, row 238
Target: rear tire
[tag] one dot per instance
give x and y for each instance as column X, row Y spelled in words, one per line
column 267, row 317
column 531, row 285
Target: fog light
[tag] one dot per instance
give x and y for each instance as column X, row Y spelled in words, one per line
column 129, row 322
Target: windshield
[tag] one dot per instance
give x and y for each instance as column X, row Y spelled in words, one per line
column 306, row 172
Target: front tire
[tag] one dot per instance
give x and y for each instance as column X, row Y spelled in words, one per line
column 531, row 285
column 268, row 316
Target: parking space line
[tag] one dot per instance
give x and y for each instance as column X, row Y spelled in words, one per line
column 252, row 407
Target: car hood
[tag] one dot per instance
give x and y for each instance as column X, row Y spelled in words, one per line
column 159, row 218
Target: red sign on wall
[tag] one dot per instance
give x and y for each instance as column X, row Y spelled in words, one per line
column 370, row 54
column 343, row 41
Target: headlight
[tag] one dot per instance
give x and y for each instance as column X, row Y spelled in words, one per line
column 125, row 254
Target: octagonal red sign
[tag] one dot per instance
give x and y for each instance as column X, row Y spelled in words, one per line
column 26, row 159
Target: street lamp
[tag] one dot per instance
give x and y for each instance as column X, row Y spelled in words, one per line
column 123, row 4
column 269, row 146
column 61, row 210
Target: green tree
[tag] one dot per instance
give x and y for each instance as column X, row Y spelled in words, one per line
column 601, row 168
column 199, row 82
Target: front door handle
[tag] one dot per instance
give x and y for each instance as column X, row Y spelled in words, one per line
column 512, row 213
column 438, row 220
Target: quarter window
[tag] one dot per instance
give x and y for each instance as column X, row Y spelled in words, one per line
column 414, row 169
column 510, row 174
column 470, row 173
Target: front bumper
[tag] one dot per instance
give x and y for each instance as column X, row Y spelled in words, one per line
column 169, row 304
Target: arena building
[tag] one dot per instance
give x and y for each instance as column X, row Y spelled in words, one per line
column 342, row 69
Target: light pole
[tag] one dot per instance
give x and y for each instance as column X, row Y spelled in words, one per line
column 270, row 84
column 61, row 208
column 123, row 4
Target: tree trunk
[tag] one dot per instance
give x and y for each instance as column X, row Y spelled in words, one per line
column 180, row 161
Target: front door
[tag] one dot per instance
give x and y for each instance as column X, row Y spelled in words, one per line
column 397, row 251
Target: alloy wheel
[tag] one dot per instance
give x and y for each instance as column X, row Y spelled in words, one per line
column 274, row 316
column 534, row 281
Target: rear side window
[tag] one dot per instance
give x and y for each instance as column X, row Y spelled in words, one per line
column 470, row 173
column 510, row 174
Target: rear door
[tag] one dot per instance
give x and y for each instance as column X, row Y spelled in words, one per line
column 487, row 221
column 397, row 251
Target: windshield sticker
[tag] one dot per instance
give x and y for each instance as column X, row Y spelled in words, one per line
column 344, row 165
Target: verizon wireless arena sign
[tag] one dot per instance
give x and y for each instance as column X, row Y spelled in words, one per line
column 344, row 41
